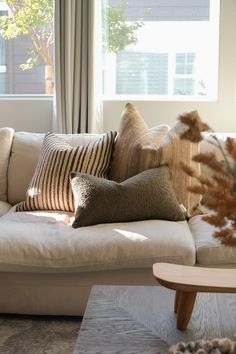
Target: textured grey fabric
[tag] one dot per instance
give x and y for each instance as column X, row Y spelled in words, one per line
column 148, row 195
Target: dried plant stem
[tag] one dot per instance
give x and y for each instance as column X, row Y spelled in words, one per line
column 222, row 151
column 220, row 187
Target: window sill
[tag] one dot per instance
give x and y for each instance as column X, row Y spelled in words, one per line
column 26, row 97
column 152, row 98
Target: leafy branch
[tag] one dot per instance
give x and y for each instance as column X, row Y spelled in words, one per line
column 117, row 32
column 33, row 18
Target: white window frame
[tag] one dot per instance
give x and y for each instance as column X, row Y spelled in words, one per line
column 112, row 96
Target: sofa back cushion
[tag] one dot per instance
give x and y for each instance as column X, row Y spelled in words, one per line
column 24, row 157
column 6, row 136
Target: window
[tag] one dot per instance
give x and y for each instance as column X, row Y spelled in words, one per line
column 185, row 63
column 149, row 69
column 162, row 49
column 26, row 47
column 184, row 78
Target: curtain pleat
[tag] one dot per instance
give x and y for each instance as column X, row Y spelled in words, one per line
column 78, row 68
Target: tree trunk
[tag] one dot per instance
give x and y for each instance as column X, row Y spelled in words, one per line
column 49, row 79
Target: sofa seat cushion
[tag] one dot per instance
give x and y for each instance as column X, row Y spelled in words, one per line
column 45, row 242
column 209, row 250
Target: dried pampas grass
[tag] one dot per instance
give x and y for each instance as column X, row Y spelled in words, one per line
column 221, row 187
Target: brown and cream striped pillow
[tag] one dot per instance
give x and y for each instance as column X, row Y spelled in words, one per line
column 50, row 188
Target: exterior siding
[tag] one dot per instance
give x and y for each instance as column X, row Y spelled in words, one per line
column 18, row 81
column 166, row 10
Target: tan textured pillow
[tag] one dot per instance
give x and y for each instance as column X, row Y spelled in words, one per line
column 175, row 150
column 49, row 188
column 136, row 148
column 148, row 195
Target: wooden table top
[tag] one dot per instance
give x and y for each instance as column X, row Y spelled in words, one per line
column 191, row 278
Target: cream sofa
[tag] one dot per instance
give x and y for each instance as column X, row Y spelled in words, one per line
column 47, row 267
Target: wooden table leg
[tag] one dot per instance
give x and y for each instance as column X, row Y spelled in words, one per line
column 176, row 301
column 186, row 302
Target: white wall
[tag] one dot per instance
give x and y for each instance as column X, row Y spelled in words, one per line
column 32, row 115
column 221, row 115
column 35, row 115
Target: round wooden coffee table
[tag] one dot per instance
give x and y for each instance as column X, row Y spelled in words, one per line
column 188, row 280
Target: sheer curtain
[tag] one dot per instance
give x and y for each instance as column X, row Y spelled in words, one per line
column 78, row 67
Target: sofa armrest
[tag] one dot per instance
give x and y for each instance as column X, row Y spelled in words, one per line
column 6, row 138
column 4, row 207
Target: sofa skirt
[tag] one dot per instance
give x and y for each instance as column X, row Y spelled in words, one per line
column 61, row 294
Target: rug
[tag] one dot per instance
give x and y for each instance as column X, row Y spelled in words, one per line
column 140, row 319
column 38, row 334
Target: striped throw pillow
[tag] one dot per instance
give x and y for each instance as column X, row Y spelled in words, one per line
column 50, row 188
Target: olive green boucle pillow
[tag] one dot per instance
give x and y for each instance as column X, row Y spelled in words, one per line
column 148, row 195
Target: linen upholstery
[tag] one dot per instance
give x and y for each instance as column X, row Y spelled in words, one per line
column 49, row 188
column 65, row 293
column 46, row 267
column 44, row 242
column 6, row 136
column 62, row 293
column 175, row 150
column 137, row 147
column 24, row 158
column 210, row 251
column 147, row 195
